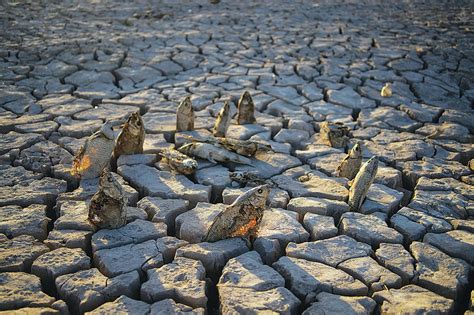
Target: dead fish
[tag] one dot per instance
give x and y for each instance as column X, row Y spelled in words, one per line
column 243, row 147
column 131, row 138
column 242, row 218
column 386, row 90
column 222, row 121
column 185, row 115
column 351, row 163
column 362, row 182
column 108, row 206
column 179, row 162
column 95, row 154
column 246, row 110
column 247, row 178
column 213, row 153
column 335, row 135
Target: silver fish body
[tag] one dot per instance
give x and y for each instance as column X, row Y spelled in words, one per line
column 179, row 162
column 222, row 121
column 185, row 115
column 362, row 182
column 242, row 218
column 213, row 153
column 246, row 110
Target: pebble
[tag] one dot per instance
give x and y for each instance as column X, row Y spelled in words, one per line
column 86, row 290
column 412, row 299
column 183, row 280
column 327, row 303
column 369, row 229
column 17, row 254
column 308, row 278
column 330, row 251
column 31, row 220
column 215, row 255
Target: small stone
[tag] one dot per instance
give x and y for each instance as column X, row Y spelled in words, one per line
column 18, row 253
column 248, row 272
column 349, row 98
column 86, row 290
column 164, row 210
column 214, row 255
column 388, row 118
column 457, row 243
column 440, row 273
column 244, row 132
column 31, row 220
column 376, row 277
column 440, row 204
column 135, row 232
column 183, row 280
column 110, row 261
column 123, row 304
column 308, row 278
column 41, row 191
column 269, row 249
column 169, row 306
column 10, row 176
column 19, row 289
column 134, row 159
column 69, row 238
column 381, row 198
column 73, row 215
column 134, row 213
column 152, row 182
column 217, row 177
column 320, row 206
column 236, row 301
column 432, row 168
column 368, row 229
column 282, row 225
column 397, row 259
column 319, row 226
column 412, row 299
column 59, row 262
column 268, row 164
column 294, row 137
column 415, row 224
column 315, row 186
column 327, row 303
column 331, row 251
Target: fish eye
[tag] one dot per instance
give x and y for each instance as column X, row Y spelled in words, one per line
column 109, row 179
column 260, row 191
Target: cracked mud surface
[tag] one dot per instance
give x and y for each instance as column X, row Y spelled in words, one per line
column 66, row 67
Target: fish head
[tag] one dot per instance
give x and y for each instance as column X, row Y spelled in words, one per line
column 135, row 123
column 107, row 130
column 372, row 164
column 190, row 164
column 225, row 109
column 356, row 151
column 257, row 196
column 185, row 106
column 110, row 185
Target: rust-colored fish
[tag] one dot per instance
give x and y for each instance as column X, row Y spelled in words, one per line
column 242, row 218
